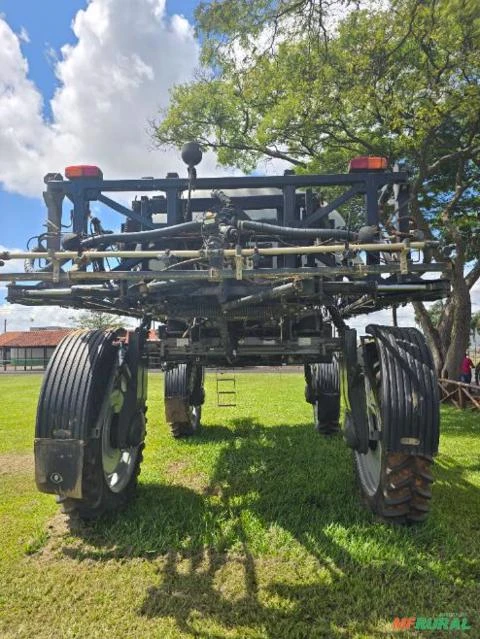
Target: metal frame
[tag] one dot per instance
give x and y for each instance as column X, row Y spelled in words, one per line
column 82, row 191
column 211, row 282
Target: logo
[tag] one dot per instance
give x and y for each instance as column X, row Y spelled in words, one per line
column 442, row 622
column 56, row 478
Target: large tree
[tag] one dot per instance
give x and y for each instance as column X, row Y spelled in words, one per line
column 314, row 82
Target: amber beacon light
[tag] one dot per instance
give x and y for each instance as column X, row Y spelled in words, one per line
column 83, row 171
column 367, row 163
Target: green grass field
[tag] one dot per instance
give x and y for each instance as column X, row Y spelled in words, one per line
column 253, row 529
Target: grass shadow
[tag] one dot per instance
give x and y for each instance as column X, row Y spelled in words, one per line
column 211, row 433
column 161, row 517
column 279, row 542
column 286, row 491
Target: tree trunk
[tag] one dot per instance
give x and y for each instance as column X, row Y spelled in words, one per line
column 460, row 330
column 432, row 335
column 445, row 325
column 449, row 340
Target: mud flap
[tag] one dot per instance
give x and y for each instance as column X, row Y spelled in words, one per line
column 59, row 466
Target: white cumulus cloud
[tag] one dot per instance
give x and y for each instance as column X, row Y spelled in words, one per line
column 23, row 35
column 112, row 82
column 24, row 137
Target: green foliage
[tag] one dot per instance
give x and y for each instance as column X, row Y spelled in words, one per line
column 284, row 82
column 253, row 529
column 97, row 320
column 435, row 312
column 475, row 323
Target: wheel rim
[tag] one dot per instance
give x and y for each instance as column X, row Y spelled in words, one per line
column 370, row 463
column 118, row 463
column 195, row 415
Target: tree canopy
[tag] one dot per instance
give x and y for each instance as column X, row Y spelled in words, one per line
column 97, row 320
column 315, row 82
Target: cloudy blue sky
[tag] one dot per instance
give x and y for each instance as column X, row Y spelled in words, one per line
column 79, row 82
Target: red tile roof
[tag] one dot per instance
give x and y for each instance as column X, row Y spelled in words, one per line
column 5, row 338
column 28, row 339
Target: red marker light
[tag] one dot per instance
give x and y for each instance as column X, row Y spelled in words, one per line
column 367, row 163
column 83, row 171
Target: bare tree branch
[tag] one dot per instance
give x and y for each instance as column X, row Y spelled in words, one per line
column 471, row 151
column 258, row 149
column 474, row 275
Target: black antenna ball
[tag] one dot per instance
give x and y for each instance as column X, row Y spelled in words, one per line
column 191, row 154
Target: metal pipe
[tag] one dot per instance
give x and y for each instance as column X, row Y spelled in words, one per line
column 77, row 290
column 262, row 296
column 323, row 271
column 106, row 276
column 247, row 182
column 94, row 288
column 141, row 236
column 401, row 287
column 96, row 291
column 291, row 231
column 157, row 286
column 161, row 285
column 53, row 292
column 397, row 247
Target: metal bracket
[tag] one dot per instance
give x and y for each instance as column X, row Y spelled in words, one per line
column 238, row 262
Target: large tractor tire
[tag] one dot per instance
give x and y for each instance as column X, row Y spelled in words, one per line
column 323, row 392
column 86, row 396
column 184, row 396
column 402, row 403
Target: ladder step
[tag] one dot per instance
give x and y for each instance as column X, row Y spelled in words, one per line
column 226, row 389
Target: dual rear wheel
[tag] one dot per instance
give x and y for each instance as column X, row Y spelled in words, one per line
column 184, row 396
column 326, row 404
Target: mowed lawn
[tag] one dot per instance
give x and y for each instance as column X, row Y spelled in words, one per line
column 252, row 529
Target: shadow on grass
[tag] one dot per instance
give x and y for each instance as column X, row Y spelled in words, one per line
column 211, row 433
column 281, row 498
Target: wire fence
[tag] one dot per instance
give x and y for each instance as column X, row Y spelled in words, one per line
column 22, row 364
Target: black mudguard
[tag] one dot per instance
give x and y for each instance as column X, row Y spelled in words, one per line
column 58, row 466
column 410, row 399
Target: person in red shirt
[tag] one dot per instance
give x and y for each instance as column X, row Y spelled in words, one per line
column 466, row 369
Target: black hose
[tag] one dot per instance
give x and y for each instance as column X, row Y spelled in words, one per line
column 290, row 231
column 141, row 236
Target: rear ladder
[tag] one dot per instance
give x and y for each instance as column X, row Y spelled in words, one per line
column 226, row 388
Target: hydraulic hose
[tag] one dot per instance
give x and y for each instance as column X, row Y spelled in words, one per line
column 293, row 232
column 140, row 236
